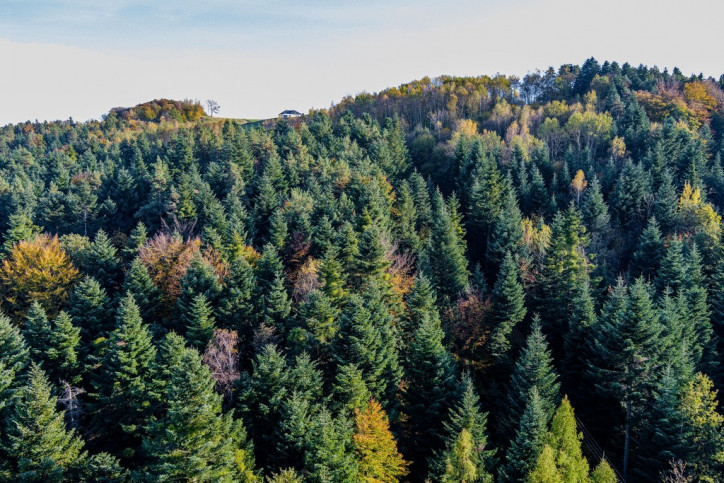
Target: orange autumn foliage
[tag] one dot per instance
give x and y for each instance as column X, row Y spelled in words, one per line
column 37, row 270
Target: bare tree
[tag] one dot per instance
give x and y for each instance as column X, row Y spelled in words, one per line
column 69, row 400
column 212, row 107
column 222, row 358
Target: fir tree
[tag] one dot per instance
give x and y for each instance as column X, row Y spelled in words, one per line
column 507, row 234
column 90, row 309
column 102, row 260
column 63, row 360
column 201, row 323
column 647, row 257
column 121, row 397
column 37, row 331
column 533, row 369
column 530, row 437
column 431, row 387
column 350, row 390
column 36, row 442
column 138, row 283
column 236, row 304
column 199, row 279
column 14, row 356
column 672, row 272
column 628, row 356
column 194, row 439
column 507, row 307
column 444, row 257
column 21, row 228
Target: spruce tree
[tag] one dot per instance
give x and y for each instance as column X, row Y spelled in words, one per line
column 90, row 309
column 507, row 308
column 37, row 331
column 672, row 271
column 138, row 283
column 36, row 442
column 63, row 360
column 201, row 323
column 20, row 228
column 431, row 387
column 533, row 369
column 236, row 307
column 199, row 279
column 507, row 234
column 14, row 355
column 703, row 349
column 530, row 437
column 580, row 325
column 647, row 257
column 102, row 261
column 121, row 396
column 350, row 390
column 628, row 359
column 444, row 259
column 194, row 439
column 329, row 451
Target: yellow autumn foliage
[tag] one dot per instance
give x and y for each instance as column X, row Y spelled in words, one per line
column 379, row 460
column 37, row 270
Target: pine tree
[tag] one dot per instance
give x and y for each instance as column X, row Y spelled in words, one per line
column 507, row 234
column 464, row 414
column 368, row 338
column 530, row 437
column 533, row 369
column 647, row 257
column 376, row 448
column 236, row 304
column 121, row 397
column 138, row 283
column 201, row 323
column 37, row 445
column 21, row 229
column 431, row 388
column 90, row 309
column 199, row 279
column 507, row 307
column 14, row 356
column 63, row 360
column 194, row 439
column 102, row 260
column 627, row 352
column 672, row 272
column 444, row 256
column 37, row 331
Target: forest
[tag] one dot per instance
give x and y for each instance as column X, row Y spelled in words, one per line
column 460, row 279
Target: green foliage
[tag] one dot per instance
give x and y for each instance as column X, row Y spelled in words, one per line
column 507, row 307
column 530, row 438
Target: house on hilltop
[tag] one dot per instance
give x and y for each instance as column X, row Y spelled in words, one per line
column 289, row 113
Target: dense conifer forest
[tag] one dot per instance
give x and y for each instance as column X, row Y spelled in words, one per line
column 457, row 280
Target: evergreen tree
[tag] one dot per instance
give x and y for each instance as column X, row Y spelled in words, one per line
column 102, row 261
column 628, row 355
column 533, row 369
column 201, row 323
column 507, row 233
column 350, row 389
column 507, row 307
column 329, row 451
column 444, row 256
column 486, row 196
column 121, row 396
column 464, row 414
column 138, row 283
column 702, row 343
column 565, row 442
column 14, row 356
column 530, row 437
column 194, row 439
column 580, row 325
column 63, row 360
column 647, row 257
column 672, row 272
column 37, row 331
column 20, row 228
column 462, row 461
column 36, row 442
column 236, row 304
column 90, row 309
column 199, row 279
column 604, row 473
column 431, row 387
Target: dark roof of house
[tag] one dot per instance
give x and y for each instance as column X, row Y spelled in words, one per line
column 290, row 111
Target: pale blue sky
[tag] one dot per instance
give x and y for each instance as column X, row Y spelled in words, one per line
column 79, row 58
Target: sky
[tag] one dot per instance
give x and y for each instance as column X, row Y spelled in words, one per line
column 80, row 58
